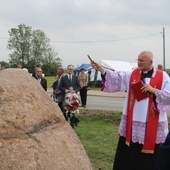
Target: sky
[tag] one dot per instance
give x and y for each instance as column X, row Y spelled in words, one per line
column 104, row 29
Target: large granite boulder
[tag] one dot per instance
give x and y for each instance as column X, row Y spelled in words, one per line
column 33, row 132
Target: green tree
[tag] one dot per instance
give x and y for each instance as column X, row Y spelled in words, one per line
column 51, row 62
column 20, row 42
column 40, row 44
column 50, row 56
column 5, row 64
column 32, row 48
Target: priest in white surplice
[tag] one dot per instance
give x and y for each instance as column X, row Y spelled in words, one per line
column 144, row 123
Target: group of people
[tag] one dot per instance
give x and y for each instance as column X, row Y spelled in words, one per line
column 70, row 84
column 65, row 84
column 144, row 138
column 144, row 124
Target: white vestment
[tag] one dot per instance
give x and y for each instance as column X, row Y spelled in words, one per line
column 119, row 81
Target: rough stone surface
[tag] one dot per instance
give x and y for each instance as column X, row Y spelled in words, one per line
column 33, row 132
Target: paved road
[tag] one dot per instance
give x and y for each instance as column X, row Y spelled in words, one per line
column 99, row 93
column 104, row 101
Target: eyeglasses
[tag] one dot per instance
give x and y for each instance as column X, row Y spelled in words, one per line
column 141, row 61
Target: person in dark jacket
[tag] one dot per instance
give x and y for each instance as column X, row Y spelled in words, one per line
column 58, row 93
column 40, row 78
column 69, row 83
column 163, row 155
column 34, row 74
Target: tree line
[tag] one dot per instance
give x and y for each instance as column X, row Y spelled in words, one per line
column 31, row 48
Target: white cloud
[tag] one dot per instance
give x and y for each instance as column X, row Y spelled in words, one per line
column 98, row 20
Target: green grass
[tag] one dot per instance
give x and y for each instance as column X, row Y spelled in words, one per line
column 97, row 131
column 50, row 81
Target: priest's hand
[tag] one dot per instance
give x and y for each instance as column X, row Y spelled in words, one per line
column 148, row 88
column 97, row 66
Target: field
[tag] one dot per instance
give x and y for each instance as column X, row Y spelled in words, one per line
column 97, row 131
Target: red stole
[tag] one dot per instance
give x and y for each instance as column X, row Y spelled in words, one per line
column 153, row 114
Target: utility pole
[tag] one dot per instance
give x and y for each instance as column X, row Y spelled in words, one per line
column 163, row 48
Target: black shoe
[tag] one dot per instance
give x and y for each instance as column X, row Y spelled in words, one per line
column 77, row 121
column 72, row 126
column 83, row 105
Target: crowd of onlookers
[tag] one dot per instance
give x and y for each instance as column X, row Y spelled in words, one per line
column 66, row 84
column 153, row 154
column 65, row 89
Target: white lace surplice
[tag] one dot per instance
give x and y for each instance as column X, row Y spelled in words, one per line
column 115, row 81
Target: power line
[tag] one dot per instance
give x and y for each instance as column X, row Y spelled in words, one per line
column 3, row 38
column 98, row 41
